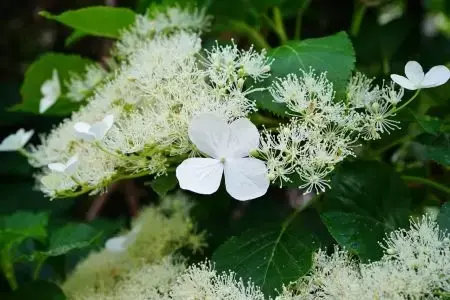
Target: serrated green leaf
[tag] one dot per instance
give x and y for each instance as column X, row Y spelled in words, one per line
column 270, row 255
column 444, row 217
column 38, row 290
column 71, row 237
column 437, row 148
column 429, row 124
column 372, row 189
column 332, row 54
column 103, row 21
column 358, row 234
column 40, row 71
column 164, row 184
column 22, row 225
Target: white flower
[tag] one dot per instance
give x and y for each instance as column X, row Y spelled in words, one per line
column 416, row 79
column 16, row 140
column 120, row 243
column 51, row 90
column 67, row 168
column 95, row 131
column 229, row 146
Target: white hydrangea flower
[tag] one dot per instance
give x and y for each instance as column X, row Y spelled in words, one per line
column 229, row 146
column 51, row 90
column 79, row 86
column 119, row 244
column 67, row 168
column 416, row 79
column 96, row 131
column 16, row 141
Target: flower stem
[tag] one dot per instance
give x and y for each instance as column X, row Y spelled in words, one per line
column 428, row 182
column 279, row 26
column 255, row 36
column 37, row 269
column 298, row 20
column 396, row 109
column 358, row 16
column 24, row 153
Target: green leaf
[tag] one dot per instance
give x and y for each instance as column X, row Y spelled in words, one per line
column 439, row 150
column 429, row 124
column 372, row 189
column 40, row 71
column 22, row 225
column 67, row 239
column 38, row 290
column 333, row 54
column 164, row 184
column 103, row 21
column 74, row 37
column 358, row 234
column 444, row 217
column 270, row 255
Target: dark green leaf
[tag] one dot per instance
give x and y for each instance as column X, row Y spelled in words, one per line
column 270, row 255
column 357, row 234
column 164, row 184
column 38, row 290
column 103, row 21
column 437, row 148
column 429, row 124
column 22, row 225
column 444, row 217
column 369, row 188
column 333, row 54
column 40, row 71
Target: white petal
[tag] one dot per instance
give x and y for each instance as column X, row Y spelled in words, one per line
column 12, row 142
column 244, row 137
column 72, row 165
column 403, row 82
column 82, row 131
column 100, row 129
column 246, row 178
column 57, row 167
column 210, row 134
column 414, row 72
column 26, row 136
column 437, row 76
column 46, row 102
column 200, row 175
column 116, row 244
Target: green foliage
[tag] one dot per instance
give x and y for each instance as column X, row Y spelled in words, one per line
column 102, row 21
column 39, row 290
column 164, row 184
column 357, row 234
column 437, row 148
column 444, row 217
column 333, row 54
column 371, row 189
column 271, row 255
column 40, row 71
column 429, row 124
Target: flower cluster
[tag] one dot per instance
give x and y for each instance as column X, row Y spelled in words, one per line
column 136, row 120
column 415, row 265
column 322, row 131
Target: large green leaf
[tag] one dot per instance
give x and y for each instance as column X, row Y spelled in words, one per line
column 40, row 71
column 444, row 217
column 66, row 239
column 22, row 225
column 428, row 124
column 438, row 148
column 372, row 189
column 103, row 21
column 332, row 54
column 357, row 234
column 38, row 290
column 270, row 255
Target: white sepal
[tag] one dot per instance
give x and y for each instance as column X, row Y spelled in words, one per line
column 96, row 131
column 50, row 90
column 16, row 141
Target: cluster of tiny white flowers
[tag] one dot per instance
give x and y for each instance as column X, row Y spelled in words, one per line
column 80, row 86
column 322, row 132
column 161, row 21
column 152, row 97
column 415, row 265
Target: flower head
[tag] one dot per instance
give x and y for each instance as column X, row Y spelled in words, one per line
column 16, row 140
column 51, row 90
column 416, row 79
column 95, row 131
column 229, row 146
column 68, row 168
